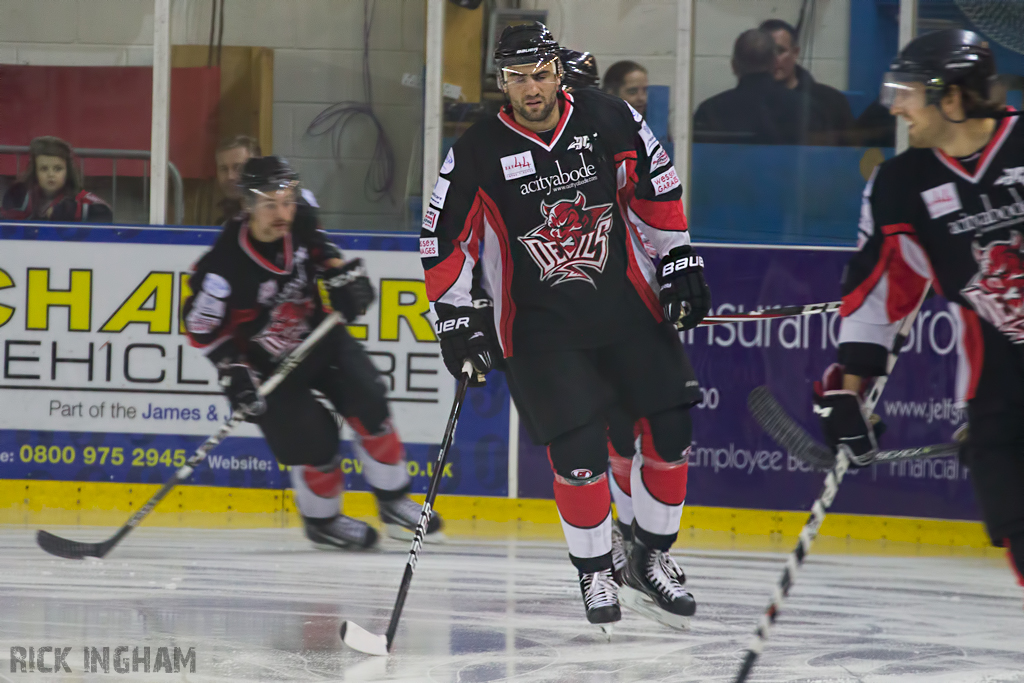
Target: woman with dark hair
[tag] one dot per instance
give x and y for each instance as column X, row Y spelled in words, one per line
column 627, row 80
column 51, row 189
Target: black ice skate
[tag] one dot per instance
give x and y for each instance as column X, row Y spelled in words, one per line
column 601, row 598
column 622, row 539
column 400, row 517
column 654, row 587
column 340, row 532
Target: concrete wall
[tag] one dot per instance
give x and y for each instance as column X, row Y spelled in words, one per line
column 318, row 48
column 645, row 32
column 318, row 52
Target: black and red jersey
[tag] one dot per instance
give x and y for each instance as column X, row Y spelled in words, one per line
column 957, row 224
column 254, row 302
column 24, row 203
column 561, row 224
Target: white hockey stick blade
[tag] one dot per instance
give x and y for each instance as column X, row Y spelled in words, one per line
column 358, row 638
column 636, row 601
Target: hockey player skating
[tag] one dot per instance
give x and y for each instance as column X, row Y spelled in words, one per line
column 256, row 297
column 948, row 213
column 550, row 197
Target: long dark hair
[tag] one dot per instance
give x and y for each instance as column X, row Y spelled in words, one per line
column 54, row 147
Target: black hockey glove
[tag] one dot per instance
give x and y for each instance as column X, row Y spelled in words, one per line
column 349, row 289
column 843, row 421
column 240, row 384
column 685, row 296
column 464, row 335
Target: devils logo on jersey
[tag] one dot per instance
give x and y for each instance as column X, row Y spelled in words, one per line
column 287, row 327
column 572, row 237
column 997, row 290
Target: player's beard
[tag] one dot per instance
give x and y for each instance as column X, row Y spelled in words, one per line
column 540, row 115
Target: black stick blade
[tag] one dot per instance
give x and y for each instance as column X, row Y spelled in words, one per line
column 72, row 550
column 777, row 423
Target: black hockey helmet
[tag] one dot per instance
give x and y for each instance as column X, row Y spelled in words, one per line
column 530, row 43
column 261, row 174
column 941, row 59
column 580, row 69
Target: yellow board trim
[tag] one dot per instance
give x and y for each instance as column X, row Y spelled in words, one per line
column 37, row 503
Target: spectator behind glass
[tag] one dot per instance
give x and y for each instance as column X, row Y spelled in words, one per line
column 51, row 189
column 759, row 110
column 628, row 80
column 231, row 157
column 826, row 110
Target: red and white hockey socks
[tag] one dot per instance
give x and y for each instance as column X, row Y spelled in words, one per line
column 383, row 459
column 317, row 490
column 658, row 486
column 585, row 508
column 1015, row 553
column 620, row 485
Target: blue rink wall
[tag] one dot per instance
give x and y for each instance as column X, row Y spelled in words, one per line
column 733, row 464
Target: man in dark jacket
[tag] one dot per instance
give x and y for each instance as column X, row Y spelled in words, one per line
column 826, row 110
column 759, row 110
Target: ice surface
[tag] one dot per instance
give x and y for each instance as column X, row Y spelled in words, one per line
column 262, row 605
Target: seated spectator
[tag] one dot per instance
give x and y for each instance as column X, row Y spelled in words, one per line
column 231, row 156
column 759, row 110
column 826, row 110
column 51, row 189
column 628, row 80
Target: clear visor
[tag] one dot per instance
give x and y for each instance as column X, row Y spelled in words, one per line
column 520, row 74
column 282, row 194
column 900, row 89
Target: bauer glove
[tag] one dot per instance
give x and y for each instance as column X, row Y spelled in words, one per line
column 843, row 420
column 685, row 296
column 241, row 385
column 464, row 335
column 348, row 289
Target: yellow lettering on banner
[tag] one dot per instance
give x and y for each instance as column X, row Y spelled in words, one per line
column 77, row 298
column 185, row 293
column 405, row 300
column 5, row 311
column 158, row 288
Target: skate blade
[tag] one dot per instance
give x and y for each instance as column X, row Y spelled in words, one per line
column 607, row 629
column 400, row 533
column 643, row 605
column 358, row 638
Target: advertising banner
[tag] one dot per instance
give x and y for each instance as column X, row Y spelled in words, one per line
column 734, row 464
column 100, row 384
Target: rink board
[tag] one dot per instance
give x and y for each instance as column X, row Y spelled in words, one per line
column 140, row 359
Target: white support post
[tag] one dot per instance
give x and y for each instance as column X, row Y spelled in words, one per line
column 432, row 111
column 513, row 450
column 158, row 145
column 908, row 31
column 682, row 138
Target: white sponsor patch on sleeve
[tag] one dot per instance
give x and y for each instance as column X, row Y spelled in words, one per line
column 941, row 200
column 428, row 247
column 310, row 198
column 439, row 193
column 659, row 159
column 216, row 285
column 518, row 165
column 636, row 115
column 206, row 314
column 430, row 219
column 449, row 162
column 647, row 135
column 666, row 181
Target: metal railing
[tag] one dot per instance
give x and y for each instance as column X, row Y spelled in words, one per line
column 114, row 155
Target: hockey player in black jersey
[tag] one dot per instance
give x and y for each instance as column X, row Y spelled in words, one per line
column 946, row 214
column 550, row 197
column 256, row 298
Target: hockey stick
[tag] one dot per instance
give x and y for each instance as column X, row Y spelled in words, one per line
column 772, row 313
column 75, row 550
column 785, row 431
column 828, row 494
column 354, row 635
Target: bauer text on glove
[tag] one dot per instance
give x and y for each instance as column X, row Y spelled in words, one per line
column 685, row 296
